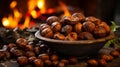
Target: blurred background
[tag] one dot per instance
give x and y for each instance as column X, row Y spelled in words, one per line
column 26, row 13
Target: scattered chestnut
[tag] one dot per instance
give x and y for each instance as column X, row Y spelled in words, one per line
column 72, row 36
column 38, row 63
column 21, row 42
column 102, row 63
column 2, row 55
column 11, row 45
column 29, row 48
column 92, row 63
column 115, row 53
column 88, row 26
column 52, row 19
column 107, row 57
column 43, row 56
column 7, row 54
column 47, row 63
column 54, row 57
column 18, row 52
column 73, row 60
column 65, row 61
column 31, row 59
column 29, row 53
column 36, row 50
column 59, row 36
column 22, row 60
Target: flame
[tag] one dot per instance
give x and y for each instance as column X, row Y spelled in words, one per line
column 41, row 6
column 9, row 22
column 64, row 7
column 13, row 4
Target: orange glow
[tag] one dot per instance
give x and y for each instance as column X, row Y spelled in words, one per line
column 34, row 14
column 32, row 4
column 13, row 4
column 9, row 22
column 17, row 14
column 41, row 6
column 64, row 7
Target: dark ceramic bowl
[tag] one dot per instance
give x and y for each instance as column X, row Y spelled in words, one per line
column 75, row 48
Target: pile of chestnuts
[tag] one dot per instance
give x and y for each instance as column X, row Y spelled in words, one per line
column 39, row 55
column 75, row 27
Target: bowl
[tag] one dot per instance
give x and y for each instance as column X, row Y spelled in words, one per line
column 75, row 48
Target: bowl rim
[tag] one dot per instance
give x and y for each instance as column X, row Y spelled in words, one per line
column 109, row 37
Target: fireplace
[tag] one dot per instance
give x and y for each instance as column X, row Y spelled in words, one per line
column 20, row 11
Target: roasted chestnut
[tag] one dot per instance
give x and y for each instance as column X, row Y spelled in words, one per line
column 78, row 28
column 59, row 36
column 29, row 48
column 99, row 32
column 17, row 52
column 11, row 45
column 106, row 26
column 54, row 57
column 95, row 20
column 115, row 53
column 52, row 19
column 36, row 50
column 43, row 26
column 47, row 63
column 21, row 42
column 66, row 29
column 22, row 60
column 92, row 63
column 107, row 57
column 47, row 32
column 31, row 59
column 30, row 53
column 73, row 60
column 7, row 55
column 43, row 56
column 56, row 26
column 38, row 63
column 85, row 36
column 72, row 36
column 102, row 63
column 80, row 16
column 88, row 26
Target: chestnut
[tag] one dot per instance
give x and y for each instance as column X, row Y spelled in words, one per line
column 73, row 60
column 107, row 57
column 72, row 36
column 85, row 36
column 29, row 48
column 36, row 50
column 2, row 55
column 59, row 36
column 78, row 28
column 92, row 63
column 52, row 19
column 106, row 26
column 7, row 54
column 99, row 32
column 43, row 56
column 54, row 57
column 115, row 53
column 47, row 63
column 21, row 42
column 69, row 20
column 88, row 26
column 22, row 60
column 102, row 63
column 31, row 59
column 80, row 16
column 66, row 29
column 38, row 63
column 29, row 53
column 65, row 61
column 17, row 52
column 56, row 26
column 55, row 63
column 93, row 19
column 47, row 32
column 43, row 26
column 11, row 45
column 60, row 64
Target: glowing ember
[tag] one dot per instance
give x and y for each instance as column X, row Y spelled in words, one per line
column 41, row 6
column 64, row 7
column 13, row 4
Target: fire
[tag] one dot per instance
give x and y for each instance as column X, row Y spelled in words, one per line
column 41, row 6
column 64, row 7
column 13, row 4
